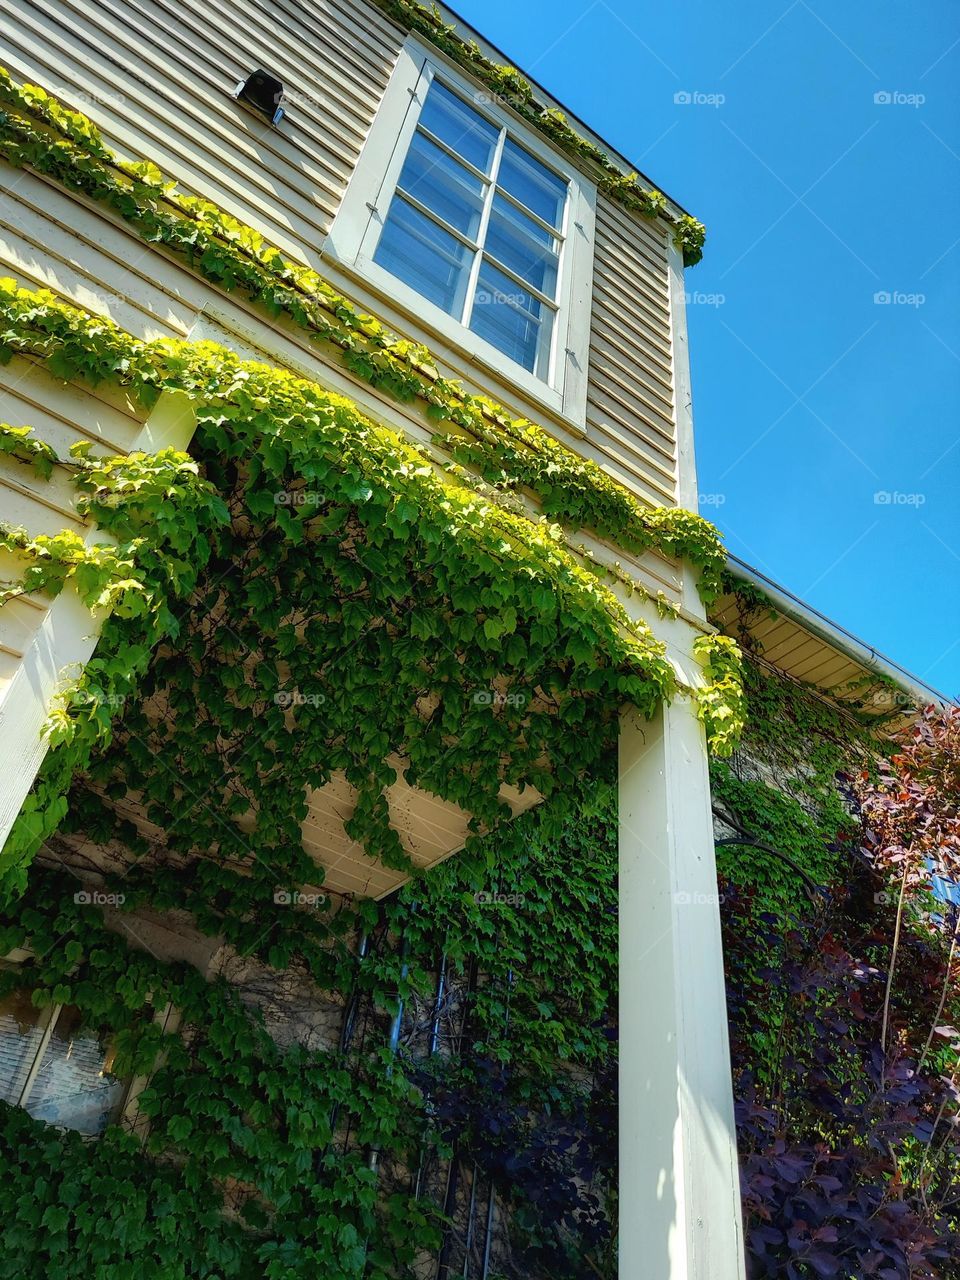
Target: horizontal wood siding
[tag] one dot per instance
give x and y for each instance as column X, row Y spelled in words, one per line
column 157, row 77
column 630, row 400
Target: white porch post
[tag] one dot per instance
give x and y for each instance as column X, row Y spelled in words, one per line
column 65, row 640
column 679, row 1188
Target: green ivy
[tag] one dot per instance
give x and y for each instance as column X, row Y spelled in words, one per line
column 298, row 512
column 36, row 131
column 510, row 87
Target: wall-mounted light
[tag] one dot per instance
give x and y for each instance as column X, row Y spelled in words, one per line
column 262, row 92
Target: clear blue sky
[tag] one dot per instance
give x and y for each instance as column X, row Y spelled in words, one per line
column 810, row 397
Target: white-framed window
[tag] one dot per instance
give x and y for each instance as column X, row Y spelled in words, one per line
column 57, row 1068
column 462, row 215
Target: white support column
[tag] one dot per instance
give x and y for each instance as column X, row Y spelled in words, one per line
column 65, row 640
column 679, row 1184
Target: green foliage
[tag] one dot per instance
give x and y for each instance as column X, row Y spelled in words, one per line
column 785, row 788
column 231, row 1115
column 37, row 131
column 17, row 442
column 303, row 595
column 309, row 520
column 720, row 702
column 509, row 87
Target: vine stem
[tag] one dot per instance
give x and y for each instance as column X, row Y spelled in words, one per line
column 893, row 959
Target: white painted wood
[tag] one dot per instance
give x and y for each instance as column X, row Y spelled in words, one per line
column 64, row 641
column 359, row 224
column 62, row 644
column 687, row 494
column 679, row 1189
column 687, row 467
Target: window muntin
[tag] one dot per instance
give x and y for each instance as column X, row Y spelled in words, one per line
column 476, row 226
column 55, row 1068
column 74, row 1086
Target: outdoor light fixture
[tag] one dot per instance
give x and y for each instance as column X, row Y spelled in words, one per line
column 262, row 92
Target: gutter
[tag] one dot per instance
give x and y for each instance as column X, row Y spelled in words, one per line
column 818, row 624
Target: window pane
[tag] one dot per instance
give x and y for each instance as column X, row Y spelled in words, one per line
column 459, row 126
column 444, row 186
column 522, row 245
column 74, row 1087
column 21, row 1030
column 428, row 258
column 532, row 183
column 512, row 319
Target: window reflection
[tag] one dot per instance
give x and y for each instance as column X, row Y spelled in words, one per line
column 74, row 1087
column 58, row 1070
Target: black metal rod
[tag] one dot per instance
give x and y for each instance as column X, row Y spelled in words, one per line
column 432, row 1047
column 488, row 1239
column 470, row 1215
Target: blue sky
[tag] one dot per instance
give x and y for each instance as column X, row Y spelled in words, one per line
column 812, row 398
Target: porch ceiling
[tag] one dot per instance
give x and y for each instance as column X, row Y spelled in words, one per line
column 430, row 830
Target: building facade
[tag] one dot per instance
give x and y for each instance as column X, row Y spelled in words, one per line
column 420, row 186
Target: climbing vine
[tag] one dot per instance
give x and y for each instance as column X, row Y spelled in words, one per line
column 509, row 86
column 38, row 132
column 310, row 520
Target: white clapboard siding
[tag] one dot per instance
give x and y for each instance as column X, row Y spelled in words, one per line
column 157, row 78
column 630, row 399
column 20, row 619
